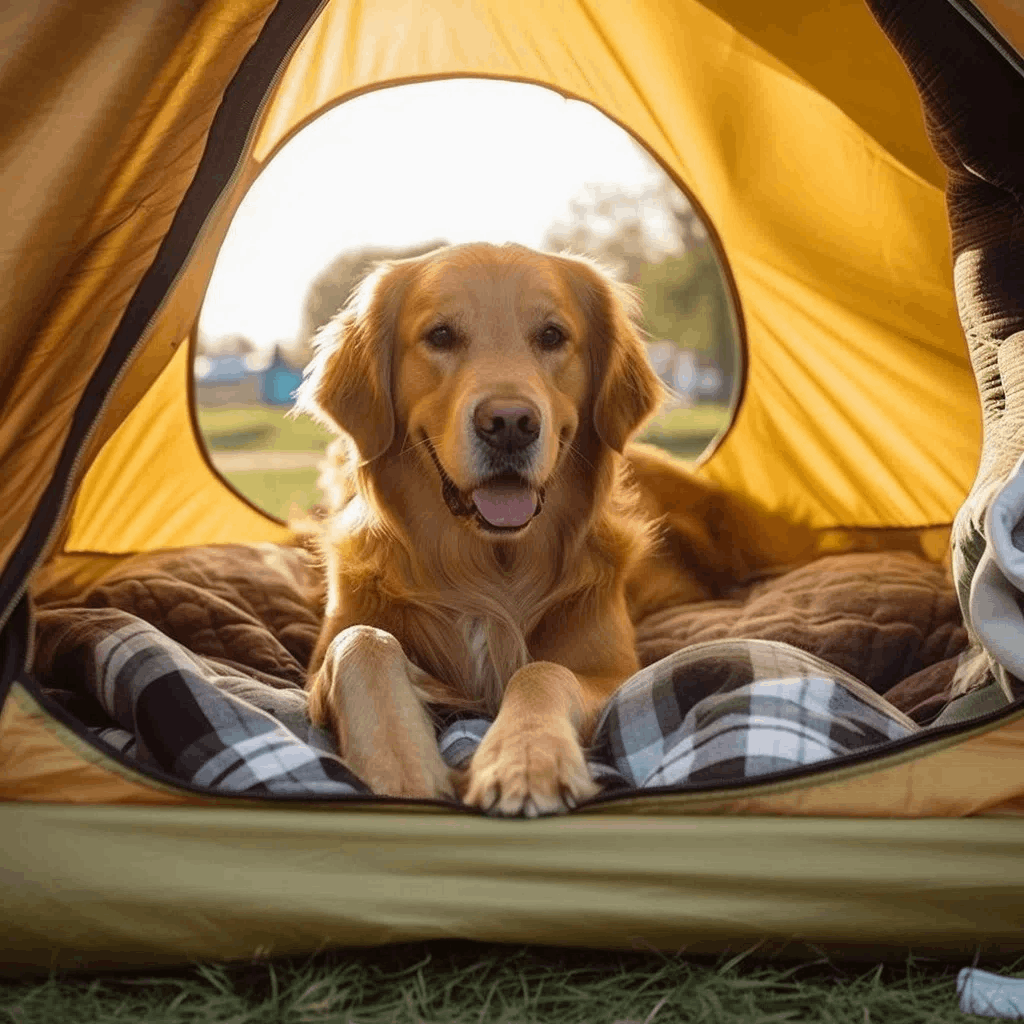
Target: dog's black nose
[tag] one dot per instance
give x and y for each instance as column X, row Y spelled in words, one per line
column 507, row 426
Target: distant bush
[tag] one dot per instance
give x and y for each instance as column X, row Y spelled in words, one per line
column 334, row 284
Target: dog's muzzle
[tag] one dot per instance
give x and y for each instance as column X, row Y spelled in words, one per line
column 498, row 504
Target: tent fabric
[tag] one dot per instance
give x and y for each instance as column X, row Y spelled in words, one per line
column 115, row 234
column 859, row 412
column 96, row 159
column 165, row 885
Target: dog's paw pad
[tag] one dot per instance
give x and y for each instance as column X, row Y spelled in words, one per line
column 528, row 775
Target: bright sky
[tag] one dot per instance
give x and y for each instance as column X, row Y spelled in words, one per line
column 463, row 160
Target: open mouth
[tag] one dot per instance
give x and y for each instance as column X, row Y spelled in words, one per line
column 503, row 504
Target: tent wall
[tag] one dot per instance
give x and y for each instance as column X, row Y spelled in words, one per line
column 860, row 408
column 1005, row 23
column 152, row 885
column 96, row 159
column 158, row 433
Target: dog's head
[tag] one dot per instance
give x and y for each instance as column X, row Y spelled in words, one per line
column 491, row 363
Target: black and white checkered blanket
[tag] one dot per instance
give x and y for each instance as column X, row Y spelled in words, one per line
column 717, row 712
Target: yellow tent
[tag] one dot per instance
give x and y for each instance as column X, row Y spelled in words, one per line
column 131, row 133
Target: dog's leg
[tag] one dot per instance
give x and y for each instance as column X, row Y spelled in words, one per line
column 365, row 691
column 531, row 762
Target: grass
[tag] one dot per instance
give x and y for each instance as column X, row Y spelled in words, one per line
column 277, row 491
column 687, row 432
column 260, row 428
column 445, row 983
column 684, row 432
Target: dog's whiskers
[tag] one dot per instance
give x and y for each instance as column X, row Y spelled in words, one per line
column 425, row 442
column 575, row 453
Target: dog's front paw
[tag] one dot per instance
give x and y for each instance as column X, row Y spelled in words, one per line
column 364, row 693
column 417, row 774
column 528, row 771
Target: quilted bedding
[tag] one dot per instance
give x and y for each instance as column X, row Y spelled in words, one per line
column 192, row 662
column 891, row 620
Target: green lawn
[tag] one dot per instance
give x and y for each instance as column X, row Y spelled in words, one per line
column 283, row 493
column 445, row 983
column 260, row 428
column 687, row 432
column 684, row 432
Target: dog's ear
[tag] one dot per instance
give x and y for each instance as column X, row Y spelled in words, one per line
column 347, row 384
column 626, row 390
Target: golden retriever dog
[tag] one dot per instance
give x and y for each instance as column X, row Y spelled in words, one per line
column 490, row 539
column 482, row 534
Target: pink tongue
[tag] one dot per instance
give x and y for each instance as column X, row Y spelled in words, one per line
column 505, row 504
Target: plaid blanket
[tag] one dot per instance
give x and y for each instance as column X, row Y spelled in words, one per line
column 718, row 712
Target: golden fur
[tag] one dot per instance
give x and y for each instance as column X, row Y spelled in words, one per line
column 426, row 607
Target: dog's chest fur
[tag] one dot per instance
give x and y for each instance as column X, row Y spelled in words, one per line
column 483, row 674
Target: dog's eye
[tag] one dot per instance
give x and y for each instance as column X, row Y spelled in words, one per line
column 551, row 338
column 442, row 337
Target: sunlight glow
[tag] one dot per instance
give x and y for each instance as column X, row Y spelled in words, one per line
column 462, row 160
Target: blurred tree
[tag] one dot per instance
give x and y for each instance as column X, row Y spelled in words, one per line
column 331, row 288
column 653, row 239
column 689, row 228
column 227, row 345
column 687, row 301
column 628, row 230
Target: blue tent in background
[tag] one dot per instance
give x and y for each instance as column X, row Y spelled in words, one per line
column 279, row 380
column 241, row 380
column 221, row 370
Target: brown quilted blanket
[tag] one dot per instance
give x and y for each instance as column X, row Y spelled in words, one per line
column 884, row 618
column 890, row 620
column 252, row 608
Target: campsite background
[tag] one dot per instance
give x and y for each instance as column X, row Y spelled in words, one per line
column 547, row 172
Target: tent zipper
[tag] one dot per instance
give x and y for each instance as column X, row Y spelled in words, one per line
column 984, row 27
column 878, row 758
column 254, row 123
